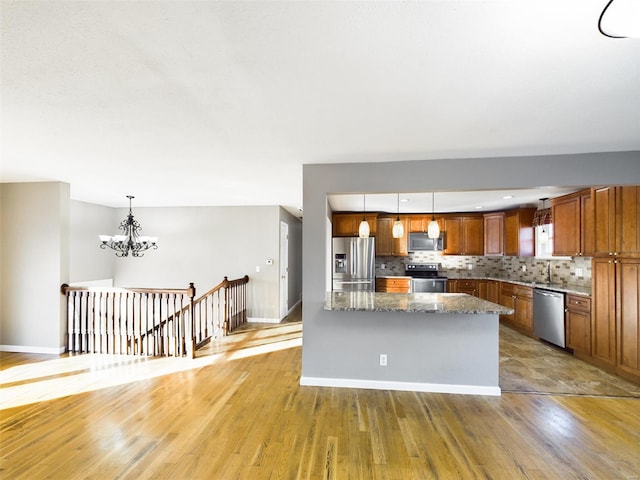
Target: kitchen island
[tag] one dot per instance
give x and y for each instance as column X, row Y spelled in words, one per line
column 430, row 342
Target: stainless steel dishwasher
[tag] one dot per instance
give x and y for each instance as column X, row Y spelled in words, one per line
column 548, row 316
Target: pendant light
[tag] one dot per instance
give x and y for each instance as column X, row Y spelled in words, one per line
column 544, row 235
column 398, row 229
column 363, row 229
column 433, row 230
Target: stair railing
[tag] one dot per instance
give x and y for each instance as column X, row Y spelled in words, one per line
column 158, row 322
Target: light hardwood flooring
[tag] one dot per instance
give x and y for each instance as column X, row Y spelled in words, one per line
column 237, row 411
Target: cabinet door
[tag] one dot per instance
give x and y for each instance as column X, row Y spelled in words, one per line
column 628, row 315
column 386, row 245
column 473, row 228
column 628, row 221
column 604, row 207
column 508, row 299
column 603, row 318
column 566, row 226
column 579, row 331
column 518, row 236
column 383, row 236
column 524, row 313
column 345, row 225
column 418, row 224
column 482, row 287
column 494, row 234
column 587, row 225
column 453, row 232
column 493, row 291
column 400, row 246
column 578, row 323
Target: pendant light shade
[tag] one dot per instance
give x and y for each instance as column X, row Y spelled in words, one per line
column 398, row 229
column 363, row 229
column 433, row 230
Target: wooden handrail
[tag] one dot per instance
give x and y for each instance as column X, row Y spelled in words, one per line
column 151, row 321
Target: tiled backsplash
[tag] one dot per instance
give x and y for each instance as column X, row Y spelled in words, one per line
column 562, row 271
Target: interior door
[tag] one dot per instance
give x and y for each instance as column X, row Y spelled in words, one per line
column 284, row 269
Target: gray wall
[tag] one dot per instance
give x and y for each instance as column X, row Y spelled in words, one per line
column 295, row 257
column 203, row 245
column 87, row 222
column 34, row 248
column 47, row 240
column 335, row 339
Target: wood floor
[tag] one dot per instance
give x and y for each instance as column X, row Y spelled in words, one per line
column 237, row 411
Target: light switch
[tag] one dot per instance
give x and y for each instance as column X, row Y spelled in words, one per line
column 257, row 268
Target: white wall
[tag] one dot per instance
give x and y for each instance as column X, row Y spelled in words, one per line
column 335, row 339
column 34, row 263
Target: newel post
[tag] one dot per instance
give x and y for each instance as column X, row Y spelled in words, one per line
column 191, row 326
column 225, row 323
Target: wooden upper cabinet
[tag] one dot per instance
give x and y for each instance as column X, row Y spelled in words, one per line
column 566, row 225
column 494, row 233
column 587, row 224
column 573, row 224
column 628, row 221
column 347, row 224
column 617, row 217
column 420, row 223
column 604, row 207
column 464, row 235
column 386, row 245
column 519, row 234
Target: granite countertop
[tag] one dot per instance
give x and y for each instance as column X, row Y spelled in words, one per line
column 460, row 303
column 555, row 287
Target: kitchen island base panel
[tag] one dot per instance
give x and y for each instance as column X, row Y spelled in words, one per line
column 445, row 353
column 400, row 386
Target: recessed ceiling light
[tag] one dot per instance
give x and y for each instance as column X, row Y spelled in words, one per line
column 404, row 200
column 507, row 197
column 479, row 207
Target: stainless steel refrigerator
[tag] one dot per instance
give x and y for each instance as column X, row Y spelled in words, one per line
column 353, row 260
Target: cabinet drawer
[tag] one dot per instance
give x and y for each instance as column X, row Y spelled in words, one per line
column 508, row 289
column 393, row 285
column 467, row 284
column 578, row 303
column 524, row 292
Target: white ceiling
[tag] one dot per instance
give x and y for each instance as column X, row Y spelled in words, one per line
column 221, row 103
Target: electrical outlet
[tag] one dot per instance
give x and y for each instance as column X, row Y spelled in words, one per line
column 578, row 272
column 257, row 268
column 383, row 359
column 524, row 268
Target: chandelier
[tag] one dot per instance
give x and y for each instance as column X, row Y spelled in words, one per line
column 130, row 240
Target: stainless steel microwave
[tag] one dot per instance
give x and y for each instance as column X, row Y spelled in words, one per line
column 419, row 241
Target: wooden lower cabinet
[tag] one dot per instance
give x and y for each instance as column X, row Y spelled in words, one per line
column 493, row 291
column 578, row 324
column 482, row 286
column 508, row 299
column 393, row 284
column 628, row 316
column 603, row 320
column 520, row 299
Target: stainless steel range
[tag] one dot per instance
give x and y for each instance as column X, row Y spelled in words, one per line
column 426, row 277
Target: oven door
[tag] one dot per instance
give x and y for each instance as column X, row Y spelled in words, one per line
column 428, row 285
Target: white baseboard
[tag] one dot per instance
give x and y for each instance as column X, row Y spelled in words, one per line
column 30, row 349
column 402, row 386
column 262, row 320
column 293, row 307
column 272, row 320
